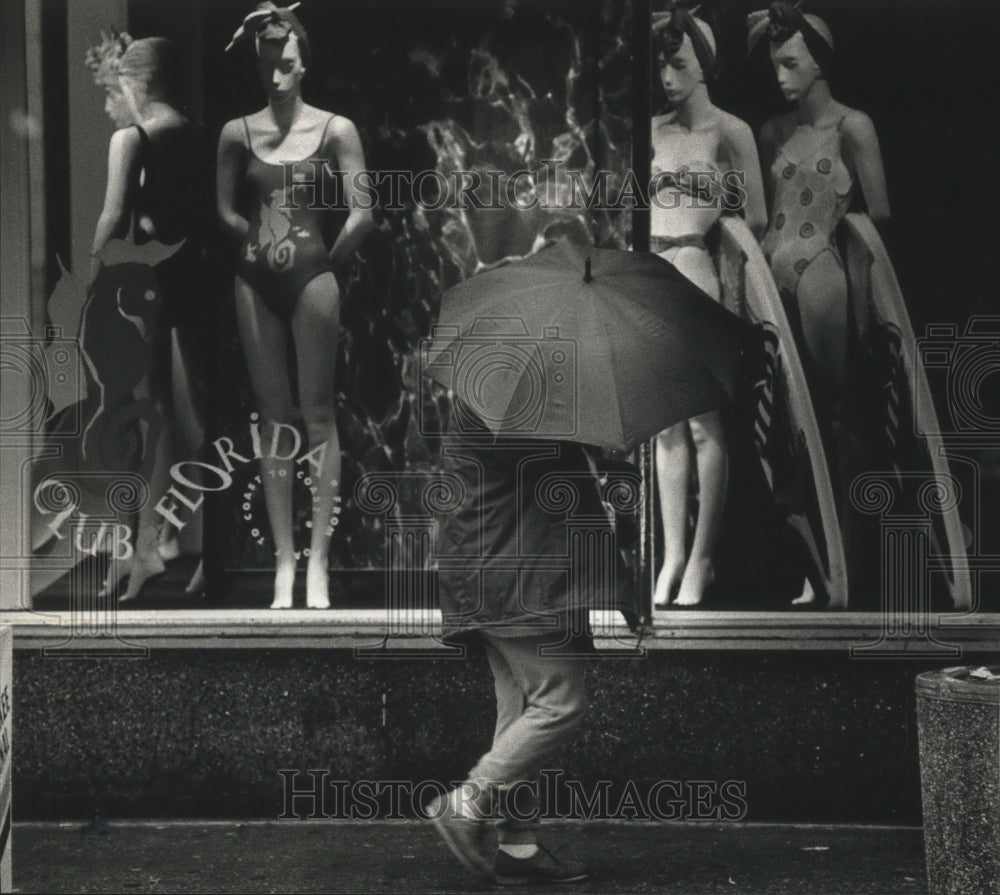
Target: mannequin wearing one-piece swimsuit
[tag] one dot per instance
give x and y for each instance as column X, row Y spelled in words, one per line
column 812, row 191
column 171, row 156
column 154, row 191
column 822, row 157
column 286, row 193
column 286, row 245
column 169, row 215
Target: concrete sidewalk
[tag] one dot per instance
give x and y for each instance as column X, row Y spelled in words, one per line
column 407, row 856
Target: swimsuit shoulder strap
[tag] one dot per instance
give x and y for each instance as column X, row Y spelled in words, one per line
column 143, row 138
column 326, row 127
column 246, row 128
column 145, row 157
column 145, row 149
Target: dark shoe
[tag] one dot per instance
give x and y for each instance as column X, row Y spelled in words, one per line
column 463, row 836
column 541, row 867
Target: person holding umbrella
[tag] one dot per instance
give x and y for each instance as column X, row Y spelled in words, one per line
column 567, row 348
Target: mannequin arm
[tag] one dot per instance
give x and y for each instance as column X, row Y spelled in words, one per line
column 862, row 151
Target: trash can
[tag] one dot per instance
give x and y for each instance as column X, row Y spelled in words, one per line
column 6, row 723
column 958, row 725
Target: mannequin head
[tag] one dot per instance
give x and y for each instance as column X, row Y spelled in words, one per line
column 685, row 55
column 149, row 71
column 280, row 65
column 117, row 107
column 794, row 66
column 103, row 61
column 681, row 73
column 801, row 49
column 282, row 49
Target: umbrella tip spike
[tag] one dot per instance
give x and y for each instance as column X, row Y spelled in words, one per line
column 588, row 277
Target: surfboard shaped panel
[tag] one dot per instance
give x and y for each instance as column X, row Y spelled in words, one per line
column 786, row 433
column 904, row 424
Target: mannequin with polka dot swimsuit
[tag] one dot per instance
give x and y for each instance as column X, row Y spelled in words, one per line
column 818, row 160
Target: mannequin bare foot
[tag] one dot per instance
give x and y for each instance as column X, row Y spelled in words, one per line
column 808, row 596
column 142, row 568
column 144, row 563
column 667, row 584
column 169, row 549
column 116, row 574
column 197, row 583
column 698, row 575
column 284, row 581
column 317, row 583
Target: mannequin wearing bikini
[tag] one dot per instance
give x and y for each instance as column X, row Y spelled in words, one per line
column 287, row 277
column 694, row 145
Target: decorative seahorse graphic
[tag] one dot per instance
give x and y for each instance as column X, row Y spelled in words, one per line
column 275, row 227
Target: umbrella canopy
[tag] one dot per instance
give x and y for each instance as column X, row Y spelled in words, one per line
column 601, row 346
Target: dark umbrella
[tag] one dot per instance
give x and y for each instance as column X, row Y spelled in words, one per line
column 601, row 346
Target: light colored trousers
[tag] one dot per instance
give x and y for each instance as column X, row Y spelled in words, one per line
column 541, row 700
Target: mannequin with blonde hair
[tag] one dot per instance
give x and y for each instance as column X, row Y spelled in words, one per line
column 154, row 192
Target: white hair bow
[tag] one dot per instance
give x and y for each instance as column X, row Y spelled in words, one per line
column 253, row 22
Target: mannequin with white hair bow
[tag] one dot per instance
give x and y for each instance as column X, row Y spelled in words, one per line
column 704, row 163
column 292, row 250
column 821, row 158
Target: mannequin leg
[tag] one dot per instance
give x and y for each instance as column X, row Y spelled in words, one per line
column 316, row 328
column 673, row 468
column 822, row 297
column 713, row 475
column 674, row 450
column 189, row 418
column 262, row 336
column 146, row 561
